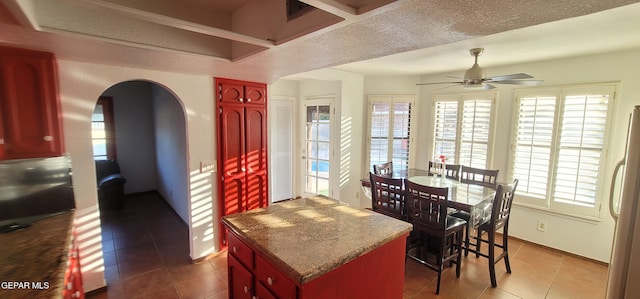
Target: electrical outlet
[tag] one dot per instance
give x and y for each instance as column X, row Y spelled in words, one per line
column 542, row 225
column 208, row 166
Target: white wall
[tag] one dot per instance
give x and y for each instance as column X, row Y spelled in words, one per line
column 135, row 138
column 171, row 148
column 80, row 86
column 347, row 89
column 589, row 238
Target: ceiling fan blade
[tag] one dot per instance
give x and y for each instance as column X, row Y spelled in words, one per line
column 508, row 77
column 445, row 87
column 433, row 83
column 488, row 86
column 519, row 82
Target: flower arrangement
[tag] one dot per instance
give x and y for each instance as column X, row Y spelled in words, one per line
column 443, row 170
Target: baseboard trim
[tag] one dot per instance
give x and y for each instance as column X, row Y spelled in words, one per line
column 562, row 252
column 207, row 257
column 96, row 291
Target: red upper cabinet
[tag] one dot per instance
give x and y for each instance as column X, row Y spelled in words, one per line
column 240, row 92
column 255, row 93
column 30, row 123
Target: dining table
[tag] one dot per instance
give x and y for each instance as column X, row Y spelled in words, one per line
column 475, row 199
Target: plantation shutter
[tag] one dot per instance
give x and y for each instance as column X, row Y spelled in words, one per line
column 445, row 130
column 533, row 140
column 474, row 133
column 582, row 134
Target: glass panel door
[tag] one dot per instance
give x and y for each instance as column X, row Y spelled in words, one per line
column 317, row 149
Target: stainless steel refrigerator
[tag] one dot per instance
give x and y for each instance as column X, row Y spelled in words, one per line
column 624, row 268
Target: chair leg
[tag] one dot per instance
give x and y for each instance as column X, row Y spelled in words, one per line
column 439, row 276
column 466, row 240
column 478, row 242
column 492, row 261
column 459, row 257
column 505, row 248
column 440, row 259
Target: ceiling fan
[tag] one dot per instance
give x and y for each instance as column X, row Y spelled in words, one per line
column 474, row 77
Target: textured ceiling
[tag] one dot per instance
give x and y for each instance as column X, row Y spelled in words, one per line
column 214, row 37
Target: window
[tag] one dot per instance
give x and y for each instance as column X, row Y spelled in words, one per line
column 559, row 139
column 390, row 130
column 462, row 128
column 102, row 130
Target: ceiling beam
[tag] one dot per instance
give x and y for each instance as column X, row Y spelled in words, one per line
column 180, row 24
column 333, row 7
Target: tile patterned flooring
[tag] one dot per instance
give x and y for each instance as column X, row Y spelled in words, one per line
column 146, row 255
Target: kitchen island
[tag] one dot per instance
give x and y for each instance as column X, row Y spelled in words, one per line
column 315, row 248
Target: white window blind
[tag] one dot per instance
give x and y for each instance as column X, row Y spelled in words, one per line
column 533, row 142
column 584, row 119
column 474, row 134
column 559, row 141
column 390, row 130
column 445, row 129
column 462, row 128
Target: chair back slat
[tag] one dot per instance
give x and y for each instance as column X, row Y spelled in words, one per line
column 502, row 204
column 452, row 171
column 383, row 169
column 478, row 176
column 427, row 206
column 388, row 195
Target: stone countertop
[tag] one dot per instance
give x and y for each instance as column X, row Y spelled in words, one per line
column 36, row 255
column 307, row 238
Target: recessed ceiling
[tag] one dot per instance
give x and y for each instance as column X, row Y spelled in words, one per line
column 223, row 29
column 252, row 39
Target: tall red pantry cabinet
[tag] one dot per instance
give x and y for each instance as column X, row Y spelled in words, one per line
column 242, row 147
column 30, row 123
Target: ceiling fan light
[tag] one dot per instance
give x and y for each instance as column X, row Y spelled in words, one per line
column 474, row 75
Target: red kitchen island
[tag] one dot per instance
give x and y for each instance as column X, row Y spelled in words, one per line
column 315, row 248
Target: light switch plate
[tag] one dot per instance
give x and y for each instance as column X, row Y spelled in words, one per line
column 208, row 166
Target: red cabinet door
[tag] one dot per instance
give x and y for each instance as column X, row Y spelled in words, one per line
column 255, row 93
column 230, row 91
column 256, row 156
column 240, row 280
column 263, row 293
column 232, row 162
column 232, row 154
column 29, row 106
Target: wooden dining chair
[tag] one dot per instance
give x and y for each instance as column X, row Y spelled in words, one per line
column 500, row 214
column 388, row 196
column 427, row 211
column 383, row 169
column 476, row 176
column 452, row 171
column 479, row 176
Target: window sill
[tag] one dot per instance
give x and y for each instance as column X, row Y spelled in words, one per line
column 575, row 217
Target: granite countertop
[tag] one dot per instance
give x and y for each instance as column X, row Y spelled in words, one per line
column 36, row 257
column 307, row 238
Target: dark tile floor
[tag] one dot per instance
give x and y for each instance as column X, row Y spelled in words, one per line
column 146, row 254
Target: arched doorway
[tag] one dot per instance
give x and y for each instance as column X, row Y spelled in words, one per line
column 148, row 143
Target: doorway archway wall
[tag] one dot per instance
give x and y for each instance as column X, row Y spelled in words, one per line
column 80, row 86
